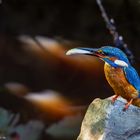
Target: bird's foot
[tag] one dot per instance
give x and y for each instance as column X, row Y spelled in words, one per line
column 114, row 99
column 127, row 105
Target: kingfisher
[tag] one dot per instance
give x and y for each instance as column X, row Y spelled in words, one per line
column 120, row 74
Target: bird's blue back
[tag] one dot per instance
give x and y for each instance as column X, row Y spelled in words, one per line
column 132, row 77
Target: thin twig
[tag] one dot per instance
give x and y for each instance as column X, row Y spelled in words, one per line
column 118, row 39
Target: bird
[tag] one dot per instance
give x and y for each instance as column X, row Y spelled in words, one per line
column 120, row 74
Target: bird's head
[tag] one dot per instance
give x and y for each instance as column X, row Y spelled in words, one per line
column 111, row 55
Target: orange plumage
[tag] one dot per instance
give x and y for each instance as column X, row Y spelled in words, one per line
column 117, row 80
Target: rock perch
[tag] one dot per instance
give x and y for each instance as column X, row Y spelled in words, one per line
column 107, row 121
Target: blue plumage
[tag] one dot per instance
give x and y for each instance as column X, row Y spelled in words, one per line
column 115, row 52
column 130, row 73
column 132, row 77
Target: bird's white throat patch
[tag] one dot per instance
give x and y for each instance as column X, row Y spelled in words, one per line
column 121, row 63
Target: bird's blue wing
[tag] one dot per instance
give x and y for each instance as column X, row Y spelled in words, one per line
column 132, row 77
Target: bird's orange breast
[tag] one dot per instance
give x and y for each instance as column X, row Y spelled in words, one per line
column 116, row 79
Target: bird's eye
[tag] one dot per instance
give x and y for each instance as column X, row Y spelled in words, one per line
column 101, row 52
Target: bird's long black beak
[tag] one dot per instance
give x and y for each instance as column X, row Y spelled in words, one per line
column 85, row 51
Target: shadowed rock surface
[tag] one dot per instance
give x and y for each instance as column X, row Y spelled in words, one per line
column 10, row 128
column 105, row 121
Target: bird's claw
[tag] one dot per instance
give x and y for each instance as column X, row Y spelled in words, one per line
column 127, row 105
column 114, row 99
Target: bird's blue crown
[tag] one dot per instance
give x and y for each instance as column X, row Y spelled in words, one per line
column 115, row 52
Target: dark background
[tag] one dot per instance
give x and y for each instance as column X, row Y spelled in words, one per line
column 70, row 23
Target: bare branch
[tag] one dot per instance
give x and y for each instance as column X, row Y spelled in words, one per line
column 118, row 39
